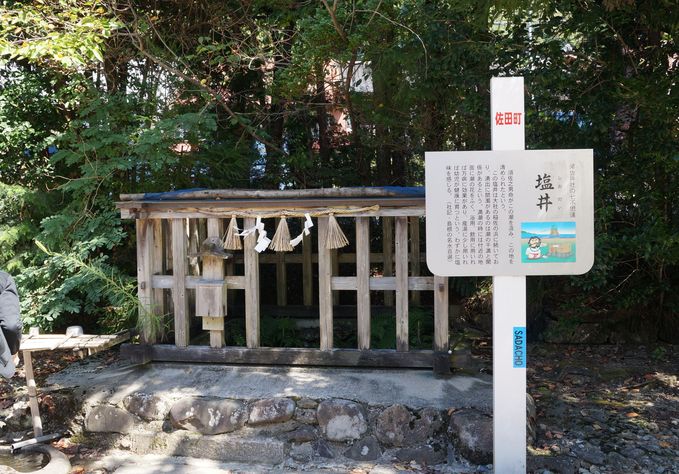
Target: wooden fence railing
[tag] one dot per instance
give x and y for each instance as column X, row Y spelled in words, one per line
column 168, row 231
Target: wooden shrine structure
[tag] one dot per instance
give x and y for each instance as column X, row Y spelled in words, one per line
column 170, row 226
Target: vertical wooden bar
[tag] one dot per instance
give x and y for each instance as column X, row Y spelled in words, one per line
column 158, row 262
column 307, row 271
column 281, row 277
column 324, row 286
column 401, row 252
column 179, row 297
column 388, row 255
column 32, row 394
column 440, row 313
column 213, row 269
column 145, row 278
column 334, row 259
column 415, row 254
column 167, row 262
column 251, row 266
column 194, row 244
column 363, row 281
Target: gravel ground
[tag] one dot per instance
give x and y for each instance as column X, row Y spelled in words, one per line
column 605, row 409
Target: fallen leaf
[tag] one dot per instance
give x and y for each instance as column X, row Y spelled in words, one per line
column 665, row 444
column 632, row 414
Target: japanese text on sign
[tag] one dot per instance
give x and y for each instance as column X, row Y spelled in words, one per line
column 510, row 212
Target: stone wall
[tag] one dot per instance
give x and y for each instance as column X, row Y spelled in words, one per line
column 273, row 430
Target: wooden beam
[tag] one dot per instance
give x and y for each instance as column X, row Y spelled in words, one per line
column 201, row 212
column 414, row 254
column 383, row 283
column 236, row 282
column 307, row 271
column 324, row 286
column 179, row 296
column 213, row 268
column 363, row 281
column 297, row 258
column 387, row 252
column 383, row 358
column 401, row 252
column 158, row 267
column 251, row 286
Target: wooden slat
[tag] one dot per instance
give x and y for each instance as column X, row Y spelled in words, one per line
column 251, row 286
column 383, row 283
column 145, row 291
column 413, row 255
column 401, row 252
column 440, row 313
column 280, row 356
column 334, row 259
column 158, row 268
column 281, row 276
column 194, row 244
column 179, row 296
column 213, row 268
column 51, row 342
column 307, row 271
column 363, row 281
column 353, row 192
column 387, row 252
column 324, row 286
column 235, row 282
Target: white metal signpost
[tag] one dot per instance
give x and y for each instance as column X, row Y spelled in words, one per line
column 509, row 213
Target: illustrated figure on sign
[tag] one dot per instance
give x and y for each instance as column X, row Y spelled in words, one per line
column 534, row 252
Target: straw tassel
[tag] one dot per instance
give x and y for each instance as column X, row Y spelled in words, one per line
column 336, row 238
column 281, row 239
column 232, row 240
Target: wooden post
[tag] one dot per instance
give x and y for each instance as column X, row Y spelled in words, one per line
column 32, row 394
column 146, row 295
column 363, row 281
column 324, row 286
column 251, row 266
column 415, row 254
column 213, row 269
column 441, row 343
column 401, row 252
column 281, row 277
column 179, row 297
column 440, row 313
column 307, row 271
column 388, row 255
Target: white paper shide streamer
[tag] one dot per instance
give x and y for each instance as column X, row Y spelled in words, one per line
column 262, row 240
column 308, row 224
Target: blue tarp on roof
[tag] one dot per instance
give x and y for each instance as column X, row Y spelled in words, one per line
column 405, row 191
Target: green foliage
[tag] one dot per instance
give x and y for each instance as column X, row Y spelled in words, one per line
column 69, row 33
column 97, row 101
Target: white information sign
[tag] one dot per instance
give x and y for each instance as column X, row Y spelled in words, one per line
column 510, row 212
